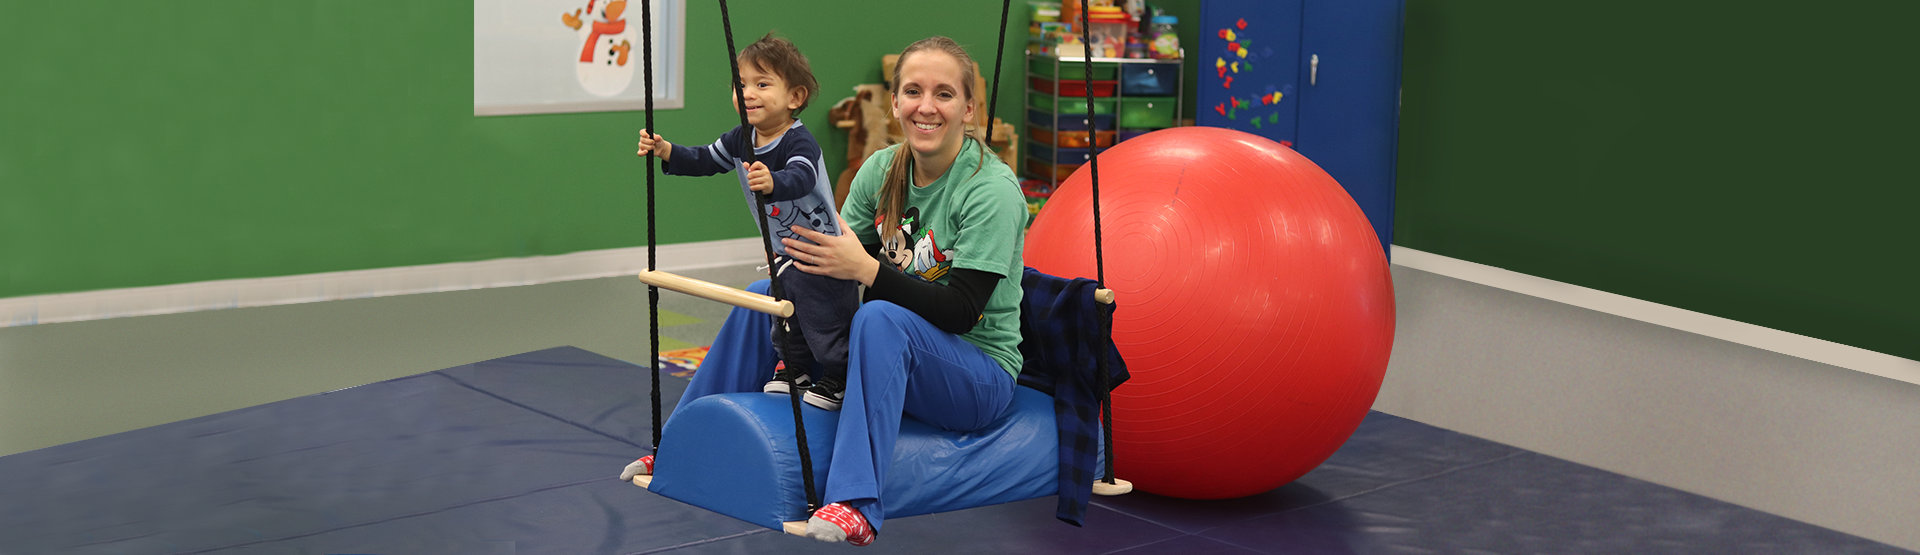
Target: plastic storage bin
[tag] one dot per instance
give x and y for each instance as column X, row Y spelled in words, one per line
column 1075, row 88
column 1074, row 69
column 1037, row 191
column 1061, row 155
column 1150, row 111
column 1069, row 105
column 1149, row 79
column 1068, row 122
column 1071, row 139
column 1109, row 38
column 1042, row 169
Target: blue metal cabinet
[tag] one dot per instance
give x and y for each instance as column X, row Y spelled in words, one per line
column 1321, row 76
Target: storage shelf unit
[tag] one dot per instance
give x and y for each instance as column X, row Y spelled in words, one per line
column 1131, row 97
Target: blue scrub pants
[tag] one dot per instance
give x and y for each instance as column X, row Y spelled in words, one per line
column 897, row 363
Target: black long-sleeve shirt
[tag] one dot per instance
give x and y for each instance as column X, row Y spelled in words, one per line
column 953, row 307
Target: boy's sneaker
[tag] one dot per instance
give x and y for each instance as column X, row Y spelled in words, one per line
column 827, row 393
column 786, row 378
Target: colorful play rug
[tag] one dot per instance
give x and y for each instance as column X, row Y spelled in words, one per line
column 681, row 363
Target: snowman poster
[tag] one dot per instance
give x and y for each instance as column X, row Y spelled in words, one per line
column 552, row 56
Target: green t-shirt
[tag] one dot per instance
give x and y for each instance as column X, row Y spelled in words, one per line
column 966, row 220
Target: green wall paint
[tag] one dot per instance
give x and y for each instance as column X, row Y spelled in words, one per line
column 179, row 142
column 1744, row 162
column 1747, row 161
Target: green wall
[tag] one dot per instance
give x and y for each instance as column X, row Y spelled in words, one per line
column 1745, row 162
column 175, row 142
column 1749, row 161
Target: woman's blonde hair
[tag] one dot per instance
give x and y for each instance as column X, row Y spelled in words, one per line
column 892, row 201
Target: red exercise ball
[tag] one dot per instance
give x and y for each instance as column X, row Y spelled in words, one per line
column 1255, row 308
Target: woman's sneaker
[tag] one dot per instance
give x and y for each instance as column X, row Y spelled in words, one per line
column 784, row 379
column 828, row 393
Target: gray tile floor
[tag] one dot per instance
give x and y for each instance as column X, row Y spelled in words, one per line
column 72, row 381
column 1824, row 445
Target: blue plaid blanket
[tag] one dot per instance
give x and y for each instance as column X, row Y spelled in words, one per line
column 1060, row 329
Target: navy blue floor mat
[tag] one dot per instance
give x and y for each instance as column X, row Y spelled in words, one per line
column 519, row 455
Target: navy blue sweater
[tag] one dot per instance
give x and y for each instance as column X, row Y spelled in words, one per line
column 802, row 193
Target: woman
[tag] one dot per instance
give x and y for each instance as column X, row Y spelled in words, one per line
column 938, row 335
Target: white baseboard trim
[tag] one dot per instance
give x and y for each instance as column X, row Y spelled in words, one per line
column 505, row 272
column 378, row 282
column 1786, row 343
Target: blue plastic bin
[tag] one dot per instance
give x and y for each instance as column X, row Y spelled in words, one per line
column 1149, row 79
column 1069, row 122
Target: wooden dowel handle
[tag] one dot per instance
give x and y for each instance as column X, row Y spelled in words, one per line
column 719, row 293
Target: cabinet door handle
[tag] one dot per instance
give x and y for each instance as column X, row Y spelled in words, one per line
column 1313, row 70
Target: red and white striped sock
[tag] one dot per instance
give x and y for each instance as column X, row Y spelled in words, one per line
column 839, row 521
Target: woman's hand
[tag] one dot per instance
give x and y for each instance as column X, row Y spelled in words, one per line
column 839, row 256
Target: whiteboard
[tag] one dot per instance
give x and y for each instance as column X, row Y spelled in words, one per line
column 554, row 56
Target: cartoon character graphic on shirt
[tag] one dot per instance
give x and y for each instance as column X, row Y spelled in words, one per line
column 915, row 248
column 807, row 212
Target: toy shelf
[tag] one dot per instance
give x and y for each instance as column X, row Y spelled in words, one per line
column 1132, row 96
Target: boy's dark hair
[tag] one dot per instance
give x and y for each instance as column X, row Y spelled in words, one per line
column 780, row 57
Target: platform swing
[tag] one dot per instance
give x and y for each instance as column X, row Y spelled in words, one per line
column 731, row 452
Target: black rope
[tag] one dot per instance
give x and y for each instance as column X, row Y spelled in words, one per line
column 773, row 274
column 1099, row 256
column 653, row 293
column 993, row 85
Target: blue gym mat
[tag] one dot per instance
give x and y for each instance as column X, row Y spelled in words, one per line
column 520, row 454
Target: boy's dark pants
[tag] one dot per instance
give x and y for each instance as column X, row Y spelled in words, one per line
column 823, row 310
